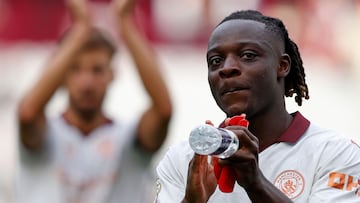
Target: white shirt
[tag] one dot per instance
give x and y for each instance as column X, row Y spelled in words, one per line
column 104, row 166
column 308, row 164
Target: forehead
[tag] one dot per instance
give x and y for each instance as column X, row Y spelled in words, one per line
column 100, row 50
column 92, row 59
column 94, row 54
column 240, row 30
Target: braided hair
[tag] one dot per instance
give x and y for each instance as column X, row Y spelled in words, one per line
column 295, row 80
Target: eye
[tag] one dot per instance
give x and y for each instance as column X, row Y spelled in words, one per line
column 214, row 61
column 74, row 67
column 98, row 69
column 249, row 55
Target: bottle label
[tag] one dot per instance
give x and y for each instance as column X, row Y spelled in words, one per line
column 225, row 142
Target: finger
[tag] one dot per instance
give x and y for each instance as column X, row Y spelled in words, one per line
column 198, row 162
column 209, row 122
column 252, row 136
column 247, row 141
column 243, row 131
column 239, row 158
column 227, row 121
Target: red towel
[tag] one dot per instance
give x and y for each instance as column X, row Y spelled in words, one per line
column 225, row 175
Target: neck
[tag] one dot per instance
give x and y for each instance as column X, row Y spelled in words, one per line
column 86, row 123
column 268, row 127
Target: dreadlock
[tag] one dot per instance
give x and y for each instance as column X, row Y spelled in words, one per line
column 295, row 80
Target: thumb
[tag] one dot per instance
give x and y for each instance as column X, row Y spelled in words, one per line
column 209, row 122
column 227, row 121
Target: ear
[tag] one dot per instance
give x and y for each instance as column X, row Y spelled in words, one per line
column 284, row 66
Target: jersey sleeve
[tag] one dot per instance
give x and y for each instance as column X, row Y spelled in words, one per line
column 338, row 176
column 34, row 176
column 172, row 174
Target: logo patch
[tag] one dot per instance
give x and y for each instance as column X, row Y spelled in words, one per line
column 291, row 183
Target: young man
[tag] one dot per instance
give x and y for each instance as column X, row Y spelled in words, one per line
column 282, row 157
column 83, row 156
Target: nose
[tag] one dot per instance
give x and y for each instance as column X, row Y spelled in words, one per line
column 231, row 67
column 86, row 79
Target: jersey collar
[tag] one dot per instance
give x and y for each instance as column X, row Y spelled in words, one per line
column 107, row 121
column 292, row 134
column 296, row 129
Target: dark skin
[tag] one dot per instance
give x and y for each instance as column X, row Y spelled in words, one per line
column 246, row 71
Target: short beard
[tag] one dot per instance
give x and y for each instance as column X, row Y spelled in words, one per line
column 86, row 115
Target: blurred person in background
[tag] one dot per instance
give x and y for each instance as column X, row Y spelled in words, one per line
column 282, row 157
column 82, row 155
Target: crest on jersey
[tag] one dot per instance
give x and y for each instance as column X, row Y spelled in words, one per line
column 291, row 183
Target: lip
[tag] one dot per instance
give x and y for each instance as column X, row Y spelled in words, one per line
column 229, row 89
column 232, row 90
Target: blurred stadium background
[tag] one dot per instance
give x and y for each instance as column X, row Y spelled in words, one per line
column 327, row 33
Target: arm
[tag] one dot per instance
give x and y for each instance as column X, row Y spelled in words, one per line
column 31, row 115
column 153, row 126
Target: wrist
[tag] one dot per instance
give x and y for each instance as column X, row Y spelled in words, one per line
column 256, row 186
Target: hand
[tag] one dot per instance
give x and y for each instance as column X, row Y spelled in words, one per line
column 245, row 160
column 123, row 8
column 201, row 181
column 78, row 10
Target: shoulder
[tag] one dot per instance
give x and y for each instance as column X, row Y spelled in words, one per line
column 336, row 160
column 125, row 126
column 323, row 136
column 128, row 126
column 55, row 120
column 57, row 123
column 331, row 145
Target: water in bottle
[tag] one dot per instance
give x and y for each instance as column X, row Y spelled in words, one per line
column 209, row 140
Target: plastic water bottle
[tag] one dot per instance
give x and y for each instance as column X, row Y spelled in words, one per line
column 209, row 140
